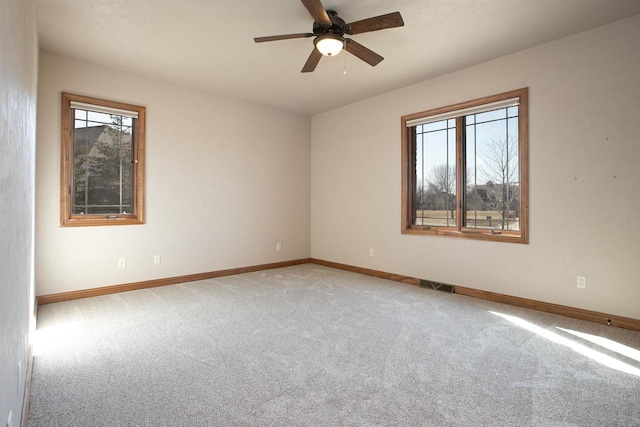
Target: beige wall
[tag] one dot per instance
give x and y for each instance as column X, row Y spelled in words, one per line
column 226, row 181
column 18, row 73
column 584, row 177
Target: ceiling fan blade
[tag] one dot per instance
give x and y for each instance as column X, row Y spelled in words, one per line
column 317, row 11
column 312, row 62
column 282, row 37
column 390, row 20
column 367, row 55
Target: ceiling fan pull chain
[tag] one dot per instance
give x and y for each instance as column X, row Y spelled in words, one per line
column 345, row 57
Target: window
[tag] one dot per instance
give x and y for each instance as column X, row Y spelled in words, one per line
column 102, row 162
column 465, row 169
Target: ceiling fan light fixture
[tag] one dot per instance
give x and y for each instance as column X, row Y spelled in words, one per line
column 329, row 44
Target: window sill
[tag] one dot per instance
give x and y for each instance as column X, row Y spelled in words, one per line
column 99, row 220
column 489, row 235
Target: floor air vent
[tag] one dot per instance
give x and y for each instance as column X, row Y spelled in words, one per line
column 436, row 285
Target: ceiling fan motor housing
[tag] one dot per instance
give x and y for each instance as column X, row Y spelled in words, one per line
column 338, row 26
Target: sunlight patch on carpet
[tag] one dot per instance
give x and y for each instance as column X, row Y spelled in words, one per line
column 599, row 357
column 55, row 337
column 622, row 349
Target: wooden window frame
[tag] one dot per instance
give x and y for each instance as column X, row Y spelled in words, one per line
column 67, row 218
column 409, row 179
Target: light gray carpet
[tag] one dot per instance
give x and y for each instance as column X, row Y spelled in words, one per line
column 314, row 346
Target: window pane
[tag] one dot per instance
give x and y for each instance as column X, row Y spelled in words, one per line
column 491, row 115
column 492, row 175
column 103, row 165
column 435, row 196
column 100, row 117
column 430, row 127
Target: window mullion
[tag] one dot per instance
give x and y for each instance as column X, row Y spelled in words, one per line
column 413, row 157
column 460, row 174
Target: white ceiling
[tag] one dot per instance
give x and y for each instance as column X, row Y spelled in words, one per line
column 208, row 44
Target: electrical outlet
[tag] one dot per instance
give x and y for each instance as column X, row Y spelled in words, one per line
column 278, row 246
column 581, row 282
column 122, row 263
column 370, row 252
column 156, row 259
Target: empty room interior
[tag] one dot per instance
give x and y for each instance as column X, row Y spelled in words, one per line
column 320, row 212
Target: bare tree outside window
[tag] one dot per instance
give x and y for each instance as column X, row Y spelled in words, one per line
column 501, row 174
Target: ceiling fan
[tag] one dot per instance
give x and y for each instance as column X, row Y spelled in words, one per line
column 329, row 30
